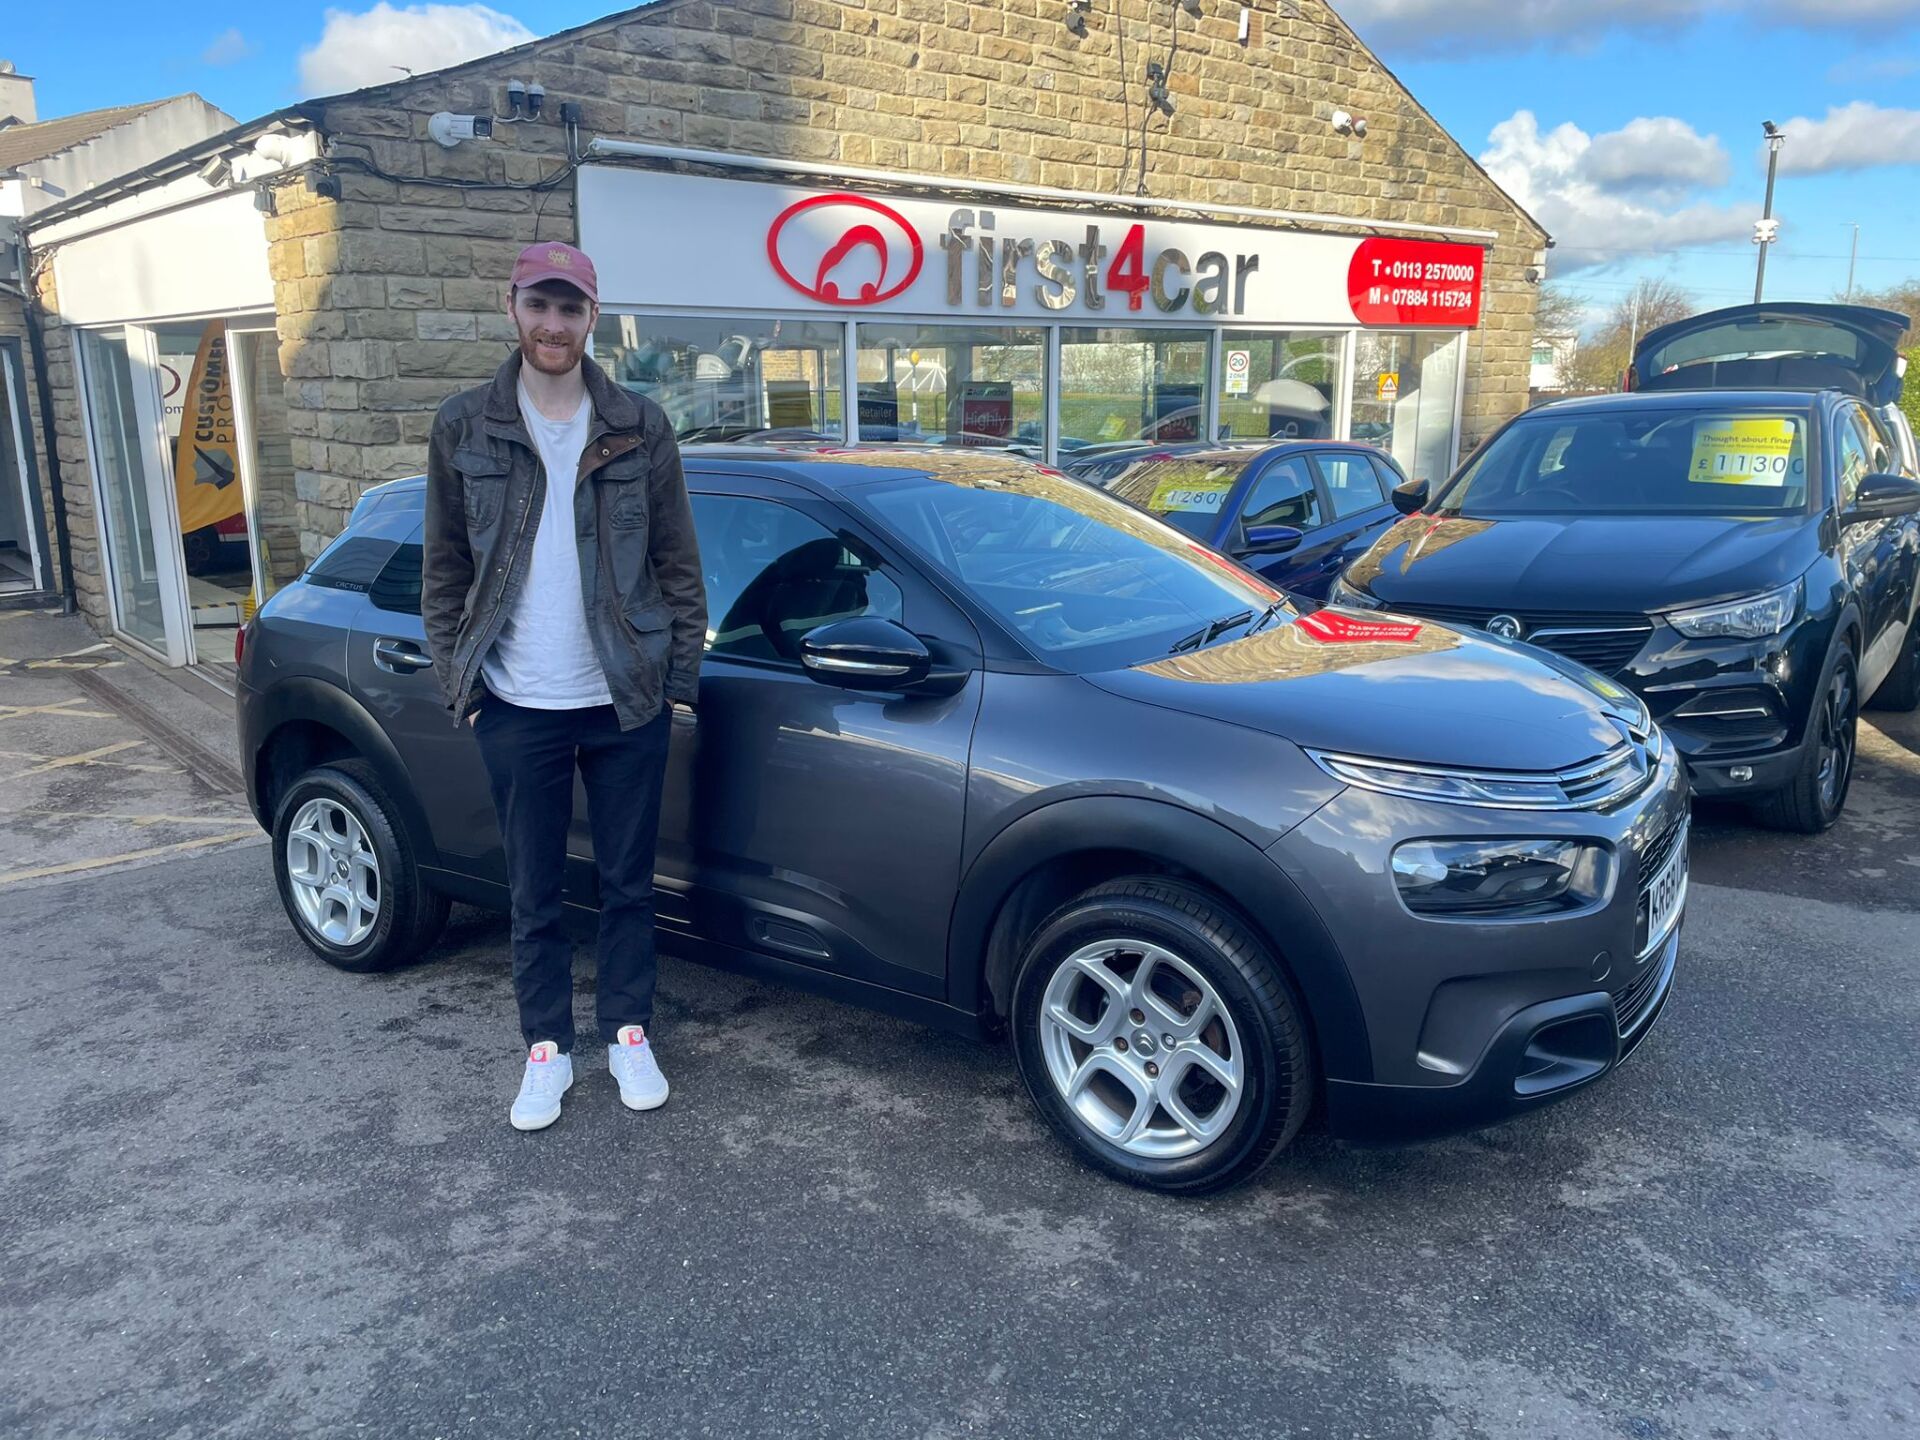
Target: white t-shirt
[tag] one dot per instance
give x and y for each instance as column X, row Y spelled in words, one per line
column 543, row 657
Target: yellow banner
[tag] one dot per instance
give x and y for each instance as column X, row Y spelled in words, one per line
column 1743, row 452
column 206, row 473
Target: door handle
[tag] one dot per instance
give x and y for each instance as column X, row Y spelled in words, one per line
column 399, row 656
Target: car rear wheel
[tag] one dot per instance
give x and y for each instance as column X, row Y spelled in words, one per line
column 346, row 874
column 1818, row 792
column 1159, row 1038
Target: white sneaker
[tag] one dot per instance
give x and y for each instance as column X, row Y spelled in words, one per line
column 549, row 1076
column 642, row 1086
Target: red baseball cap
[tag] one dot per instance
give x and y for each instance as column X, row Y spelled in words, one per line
column 557, row 260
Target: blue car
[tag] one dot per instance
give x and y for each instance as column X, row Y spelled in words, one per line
column 1296, row 513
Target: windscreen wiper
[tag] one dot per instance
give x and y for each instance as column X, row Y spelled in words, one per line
column 1210, row 633
column 1266, row 616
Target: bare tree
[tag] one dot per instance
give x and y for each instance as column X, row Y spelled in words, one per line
column 1562, row 311
column 1605, row 354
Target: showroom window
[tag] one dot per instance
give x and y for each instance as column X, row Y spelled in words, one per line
column 729, row 378
column 1118, row 385
column 953, row 384
column 1278, row 385
column 1404, row 387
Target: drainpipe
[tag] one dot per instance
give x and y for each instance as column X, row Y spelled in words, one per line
column 36, row 342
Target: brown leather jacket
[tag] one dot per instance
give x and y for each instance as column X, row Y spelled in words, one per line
column 640, row 574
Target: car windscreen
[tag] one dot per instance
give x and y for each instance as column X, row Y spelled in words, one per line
column 1087, row 582
column 1186, row 491
column 1653, row 462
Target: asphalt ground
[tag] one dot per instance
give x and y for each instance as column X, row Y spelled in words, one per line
column 243, row 1195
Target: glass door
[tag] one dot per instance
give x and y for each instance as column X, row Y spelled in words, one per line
column 263, row 433
column 23, row 560
column 145, row 583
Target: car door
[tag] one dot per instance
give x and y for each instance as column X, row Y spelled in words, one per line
column 1358, row 506
column 800, row 820
column 1880, row 554
column 391, row 673
column 1285, row 491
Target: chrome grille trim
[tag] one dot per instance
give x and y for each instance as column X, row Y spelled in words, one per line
column 1624, row 771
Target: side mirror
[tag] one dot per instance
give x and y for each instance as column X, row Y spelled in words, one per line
column 1270, row 540
column 1411, row 498
column 868, row 653
column 1882, row 497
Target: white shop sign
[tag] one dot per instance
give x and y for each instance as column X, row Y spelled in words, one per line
column 692, row 242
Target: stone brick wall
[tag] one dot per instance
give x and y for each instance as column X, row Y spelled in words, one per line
column 13, row 326
column 392, row 297
column 76, row 478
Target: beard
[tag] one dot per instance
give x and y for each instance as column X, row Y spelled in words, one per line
column 559, row 354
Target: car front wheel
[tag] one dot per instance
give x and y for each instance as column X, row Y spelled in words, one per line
column 1159, row 1037
column 346, row 874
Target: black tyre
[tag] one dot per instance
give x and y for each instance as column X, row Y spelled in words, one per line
column 1211, row 1080
column 1901, row 689
column 346, row 873
column 1813, row 800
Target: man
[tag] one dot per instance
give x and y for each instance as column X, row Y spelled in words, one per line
column 566, row 615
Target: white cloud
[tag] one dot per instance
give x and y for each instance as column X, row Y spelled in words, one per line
column 230, row 47
column 1656, row 155
column 1552, row 174
column 1859, row 136
column 376, row 47
column 1477, row 26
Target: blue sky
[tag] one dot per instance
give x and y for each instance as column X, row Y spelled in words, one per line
column 1631, row 126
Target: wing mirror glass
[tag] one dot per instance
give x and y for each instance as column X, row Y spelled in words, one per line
column 1270, row 540
column 1883, row 497
column 1410, row 498
column 869, row 653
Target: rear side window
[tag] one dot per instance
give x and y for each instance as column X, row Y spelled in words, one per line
column 397, row 587
column 353, row 562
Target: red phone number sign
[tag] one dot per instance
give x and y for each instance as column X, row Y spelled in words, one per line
column 1416, row 282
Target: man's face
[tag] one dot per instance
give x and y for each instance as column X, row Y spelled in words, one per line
column 554, row 321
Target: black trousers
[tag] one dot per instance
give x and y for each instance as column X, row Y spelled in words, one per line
column 531, row 756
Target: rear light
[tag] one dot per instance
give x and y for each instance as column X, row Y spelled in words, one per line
column 1626, row 382
column 240, row 643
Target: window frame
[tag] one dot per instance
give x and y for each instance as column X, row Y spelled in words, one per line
column 1251, row 484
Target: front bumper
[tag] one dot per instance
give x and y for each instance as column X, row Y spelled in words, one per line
column 1471, row 1021
column 1541, row 1055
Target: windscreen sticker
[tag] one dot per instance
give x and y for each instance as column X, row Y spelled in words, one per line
column 1178, row 496
column 1331, row 629
column 1744, row 452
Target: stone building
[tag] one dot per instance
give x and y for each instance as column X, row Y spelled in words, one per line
column 986, row 222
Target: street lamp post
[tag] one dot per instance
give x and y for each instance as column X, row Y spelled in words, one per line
column 1768, row 229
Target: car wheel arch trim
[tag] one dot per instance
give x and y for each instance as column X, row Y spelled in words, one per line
column 306, row 699
column 1237, row 871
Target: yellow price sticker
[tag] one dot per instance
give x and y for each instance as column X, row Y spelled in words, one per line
column 1743, row 452
column 1183, row 496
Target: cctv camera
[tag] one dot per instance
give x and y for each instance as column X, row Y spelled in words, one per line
column 1342, row 123
column 1360, row 128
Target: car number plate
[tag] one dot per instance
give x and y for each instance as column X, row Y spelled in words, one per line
column 1668, row 893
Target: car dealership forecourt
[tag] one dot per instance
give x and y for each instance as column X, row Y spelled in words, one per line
column 931, row 221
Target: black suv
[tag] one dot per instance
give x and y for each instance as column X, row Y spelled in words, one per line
column 1748, row 561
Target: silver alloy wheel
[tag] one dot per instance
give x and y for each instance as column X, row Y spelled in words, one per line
column 1161, row 1086
column 334, row 873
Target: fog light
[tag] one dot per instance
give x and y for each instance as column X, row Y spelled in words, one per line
column 1740, row 774
column 1496, row 877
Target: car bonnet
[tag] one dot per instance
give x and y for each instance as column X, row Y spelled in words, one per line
column 1392, row 687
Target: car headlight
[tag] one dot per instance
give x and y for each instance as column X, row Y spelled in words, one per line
column 1498, row 877
column 1344, row 594
column 1754, row 618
